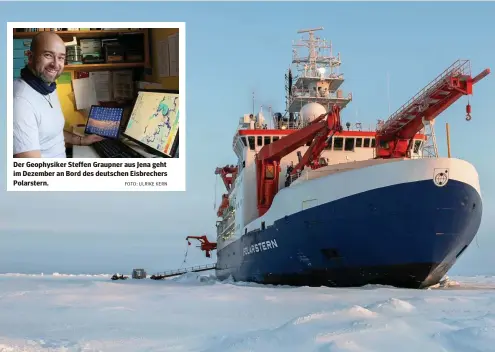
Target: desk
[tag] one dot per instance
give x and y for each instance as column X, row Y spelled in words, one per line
column 82, row 151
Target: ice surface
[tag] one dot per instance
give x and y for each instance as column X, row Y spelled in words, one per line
column 194, row 312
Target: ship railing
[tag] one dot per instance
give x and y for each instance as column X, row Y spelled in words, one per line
column 307, row 93
column 187, row 270
column 227, row 220
column 306, row 175
column 300, row 123
column 229, row 211
column 226, row 235
column 291, row 125
column 286, row 125
column 294, row 177
column 310, row 174
column 225, row 225
column 458, row 68
column 312, row 75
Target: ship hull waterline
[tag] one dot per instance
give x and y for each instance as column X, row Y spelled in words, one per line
column 406, row 235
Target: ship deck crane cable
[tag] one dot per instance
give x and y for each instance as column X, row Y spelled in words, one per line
column 215, row 195
column 185, row 257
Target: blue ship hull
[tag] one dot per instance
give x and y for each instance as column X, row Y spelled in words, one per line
column 406, row 235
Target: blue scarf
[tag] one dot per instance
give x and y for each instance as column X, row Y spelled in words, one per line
column 37, row 83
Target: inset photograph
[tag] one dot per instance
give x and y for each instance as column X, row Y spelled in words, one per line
column 95, row 93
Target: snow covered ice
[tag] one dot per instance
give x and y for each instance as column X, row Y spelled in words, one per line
column 198, row 313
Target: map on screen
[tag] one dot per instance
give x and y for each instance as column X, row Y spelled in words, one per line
column 155, row 120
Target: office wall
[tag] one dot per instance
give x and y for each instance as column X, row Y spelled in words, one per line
column 66, row 97
column 156, row 35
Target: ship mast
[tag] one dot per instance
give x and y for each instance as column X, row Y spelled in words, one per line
column 317, row 78
column 314, row 64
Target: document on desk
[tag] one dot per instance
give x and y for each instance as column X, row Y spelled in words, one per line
column 122, row 84
column 84, row 93
column 102, row 82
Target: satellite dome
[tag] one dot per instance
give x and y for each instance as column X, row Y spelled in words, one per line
column 311, row 111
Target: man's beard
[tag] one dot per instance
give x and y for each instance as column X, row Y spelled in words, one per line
column 40, row 75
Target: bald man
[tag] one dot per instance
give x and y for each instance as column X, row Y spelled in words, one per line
column 38, row 118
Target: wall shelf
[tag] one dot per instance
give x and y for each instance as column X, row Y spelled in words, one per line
column 100, row 67
column 83, row 34
column 68, row 36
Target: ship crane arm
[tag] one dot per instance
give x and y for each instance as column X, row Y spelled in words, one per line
column 228, row 174
column 268, row 158
column 394, row 137
column 320, row 141
column 206, row 245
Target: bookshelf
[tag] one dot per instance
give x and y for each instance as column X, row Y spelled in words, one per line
column 101, row 67
column 99, row 34
column 85, row 34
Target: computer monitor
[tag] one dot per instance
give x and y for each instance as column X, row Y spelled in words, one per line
column 104, row 121
column 154, row 121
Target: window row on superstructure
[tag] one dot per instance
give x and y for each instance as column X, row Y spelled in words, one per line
column 336, row 143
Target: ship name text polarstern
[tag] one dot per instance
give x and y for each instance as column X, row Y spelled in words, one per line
column 261, row 246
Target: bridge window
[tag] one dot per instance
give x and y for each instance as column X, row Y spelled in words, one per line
column 349, row 144
column 338, row 143
column 366, row 142
column 275, row 138
column 267, row 140
column 359, row 142
column 260, row 141
column 243, row 139
column 251, row 142
column 373, row 143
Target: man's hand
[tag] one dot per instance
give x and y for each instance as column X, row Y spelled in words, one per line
column 90, row 139
column 31, row 154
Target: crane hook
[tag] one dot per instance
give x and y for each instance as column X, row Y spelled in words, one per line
column 468, row 112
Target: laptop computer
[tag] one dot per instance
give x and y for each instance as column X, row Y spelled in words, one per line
column 107, row 122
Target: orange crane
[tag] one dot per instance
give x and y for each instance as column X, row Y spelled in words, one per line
column 268, row 158
column 394, row 139
column 228, row 174
column 206, row 245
